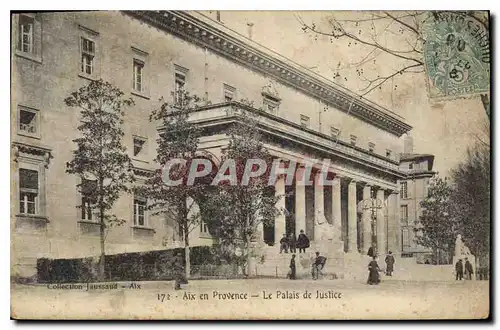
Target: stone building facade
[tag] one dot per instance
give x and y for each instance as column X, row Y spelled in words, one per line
column 419, row 169
column 149, row 55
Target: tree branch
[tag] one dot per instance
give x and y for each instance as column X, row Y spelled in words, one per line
column 411, row 28
column 381, row 80
column 339, row 32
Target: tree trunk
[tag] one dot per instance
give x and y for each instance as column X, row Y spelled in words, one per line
column 185, row 232
column 476, row 266
column 186, row 253
column 102, row 259
column 246, row 269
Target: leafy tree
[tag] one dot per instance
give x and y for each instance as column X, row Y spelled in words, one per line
column 471, row 201
column 438, row 228
column 374, row 33
column 179, row 139
column 244, row 207
column 100, row 158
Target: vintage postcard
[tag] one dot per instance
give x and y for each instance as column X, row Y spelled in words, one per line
column 255, row 165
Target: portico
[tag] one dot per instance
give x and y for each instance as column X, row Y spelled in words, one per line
column 361, row 227
column 358, row 202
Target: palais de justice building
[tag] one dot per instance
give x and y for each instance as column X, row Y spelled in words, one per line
column 153, row 54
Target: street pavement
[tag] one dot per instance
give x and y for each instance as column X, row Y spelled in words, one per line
column 257, row 299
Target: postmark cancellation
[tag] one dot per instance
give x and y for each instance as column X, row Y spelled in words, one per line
column 456, row 54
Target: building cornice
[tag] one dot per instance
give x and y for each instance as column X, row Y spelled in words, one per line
column 223, row 114
column 420, row 174
column 197, row 31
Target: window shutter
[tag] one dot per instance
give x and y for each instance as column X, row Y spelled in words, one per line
column 28, row 179
column 37, row 36
column 19, row 34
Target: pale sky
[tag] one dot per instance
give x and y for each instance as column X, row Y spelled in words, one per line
column 443, row 129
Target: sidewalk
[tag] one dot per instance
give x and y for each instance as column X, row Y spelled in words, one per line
column 255, row 283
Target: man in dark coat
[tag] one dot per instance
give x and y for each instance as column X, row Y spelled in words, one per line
column 293, row 243
column 373, row 269
column 284, row 244
column 468, row 269
column 459, row 270
column 293, row 269
column 302, row 242
column 389, row 262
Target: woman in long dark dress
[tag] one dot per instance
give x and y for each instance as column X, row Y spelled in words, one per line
column 373, row 272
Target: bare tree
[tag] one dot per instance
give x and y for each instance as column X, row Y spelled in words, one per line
column 374, row 31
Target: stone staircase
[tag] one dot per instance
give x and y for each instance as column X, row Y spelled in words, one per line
column 270, row 263
column 340, row 265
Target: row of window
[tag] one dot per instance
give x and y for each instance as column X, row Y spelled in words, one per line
column 88, row 59
column 29, row 201
column 29, row 125
column 29, row 192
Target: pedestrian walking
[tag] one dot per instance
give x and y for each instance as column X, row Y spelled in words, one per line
column 318, row 265
column 284, row 244
column 459, row 270
column 293, row 269
column 468, row 270
column 389, row 264
column 373, row 272
column 293, row 243
column 302, row 242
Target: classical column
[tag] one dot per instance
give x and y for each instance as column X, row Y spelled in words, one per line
column 280, row 221
column 381, row 240
column 259, row 230
column 352, row 218
column 300, row 202
column 336, row 208
column 366, row 219
column 394, row 225
column 319, row 204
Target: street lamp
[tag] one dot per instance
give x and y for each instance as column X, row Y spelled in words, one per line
column 372, row 205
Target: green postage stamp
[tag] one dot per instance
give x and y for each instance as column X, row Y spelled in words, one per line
column 457, row 54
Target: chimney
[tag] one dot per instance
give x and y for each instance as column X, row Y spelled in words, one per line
column 250, row 25
column 408, row 144
column 218, row 15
